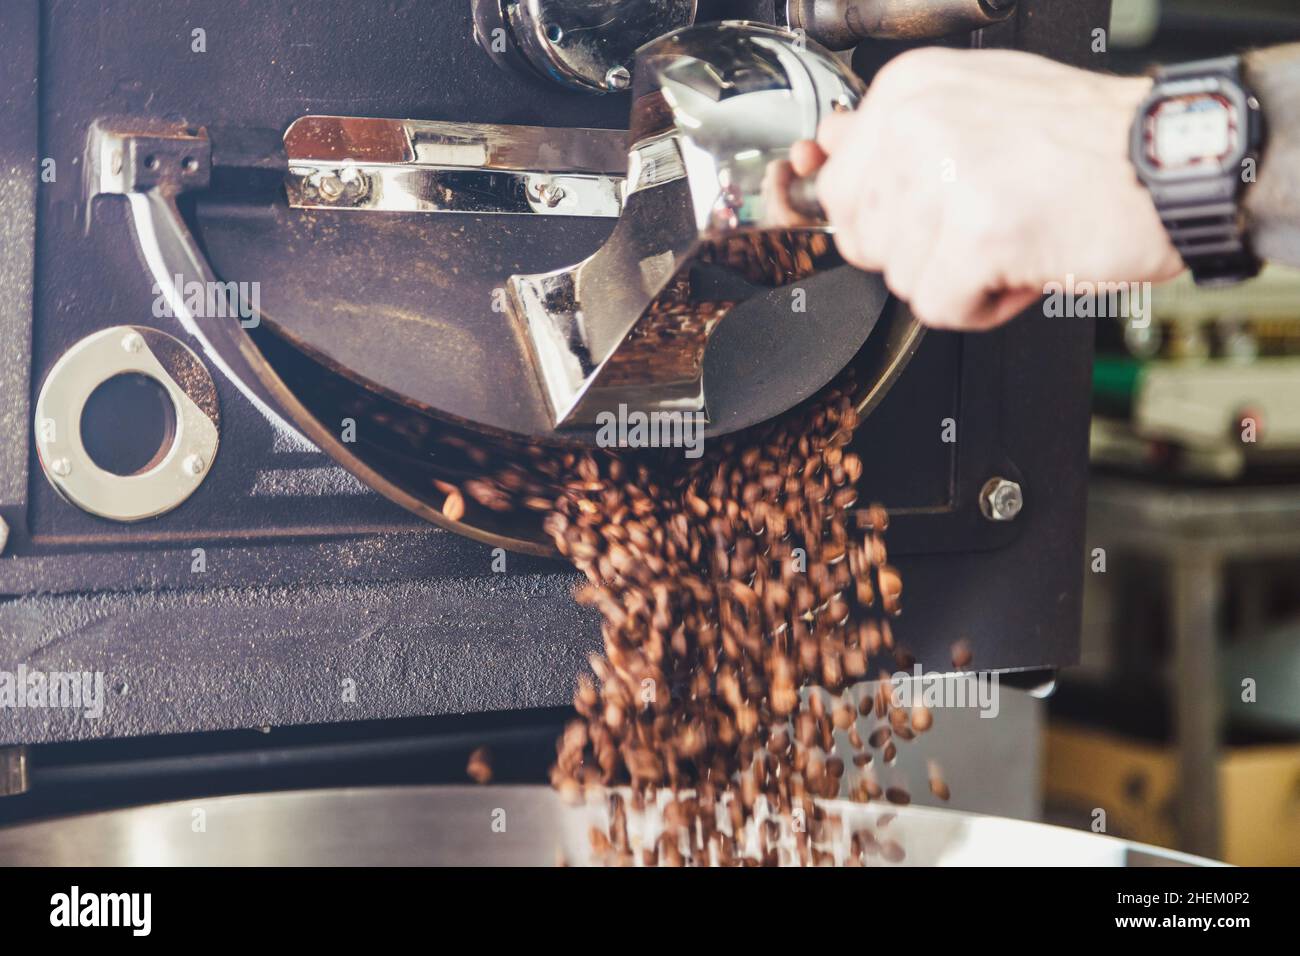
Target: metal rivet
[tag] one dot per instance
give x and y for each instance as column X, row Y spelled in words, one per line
column 618, row 78
column 194, row 465
column 1001, row 499
column 61, row 467
column 4, row 535
column 133, row 342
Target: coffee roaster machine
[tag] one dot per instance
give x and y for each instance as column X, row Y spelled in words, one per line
column 227, row 505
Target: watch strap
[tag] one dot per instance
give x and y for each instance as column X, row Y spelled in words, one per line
column 1212, row 240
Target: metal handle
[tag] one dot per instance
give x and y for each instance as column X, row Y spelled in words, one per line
column 716, row 109
column 802, row 196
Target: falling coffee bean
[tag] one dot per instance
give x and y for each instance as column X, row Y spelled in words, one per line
column 892, row 851
column 922, row 719
column 962, row 655
column 480, row 766
column 898, row 795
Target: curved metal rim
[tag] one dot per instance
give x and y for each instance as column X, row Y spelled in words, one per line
column 907, row 337
column 324, row 439
column 899, row 338
column 403, row 810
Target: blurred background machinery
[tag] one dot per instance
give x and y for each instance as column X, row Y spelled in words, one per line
column 1183, row 720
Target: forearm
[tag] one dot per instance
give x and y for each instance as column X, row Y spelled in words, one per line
column 1273, row 202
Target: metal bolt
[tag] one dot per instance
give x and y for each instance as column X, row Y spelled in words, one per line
column 347, row 184
column 552, row 194
column 194, row 465
column 330, row 187
column 4, row 534
column 61, row 467
column 617, row 79
column 133, row 342
column 1001, row 499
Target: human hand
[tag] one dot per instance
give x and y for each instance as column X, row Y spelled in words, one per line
column 972, row 179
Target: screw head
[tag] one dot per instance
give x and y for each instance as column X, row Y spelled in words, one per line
column 330, row 187
column 618, row 78
column 132, row 342
column 1001, row 499
column 552, row 194
column 347, row 184
column 4, row 534
column 61, row 467
column 194, row 465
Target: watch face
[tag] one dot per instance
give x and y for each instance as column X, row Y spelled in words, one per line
column 1195, row 131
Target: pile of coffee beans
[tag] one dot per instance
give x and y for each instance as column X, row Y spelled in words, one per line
column 744, row 598
column 772, row 257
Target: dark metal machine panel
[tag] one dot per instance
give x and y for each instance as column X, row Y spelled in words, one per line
column 19, row 173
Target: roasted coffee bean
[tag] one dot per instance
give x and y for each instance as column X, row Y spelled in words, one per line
column 480, row 766
column 844, row 716
column 453, row 506
column 922, row 718
column 898, row 719
column 937, row 785
column 962, row 655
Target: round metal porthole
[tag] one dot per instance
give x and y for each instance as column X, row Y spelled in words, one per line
column 97, row 422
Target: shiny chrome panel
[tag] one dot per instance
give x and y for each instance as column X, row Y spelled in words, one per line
column 341, row 162
column 584, row 45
